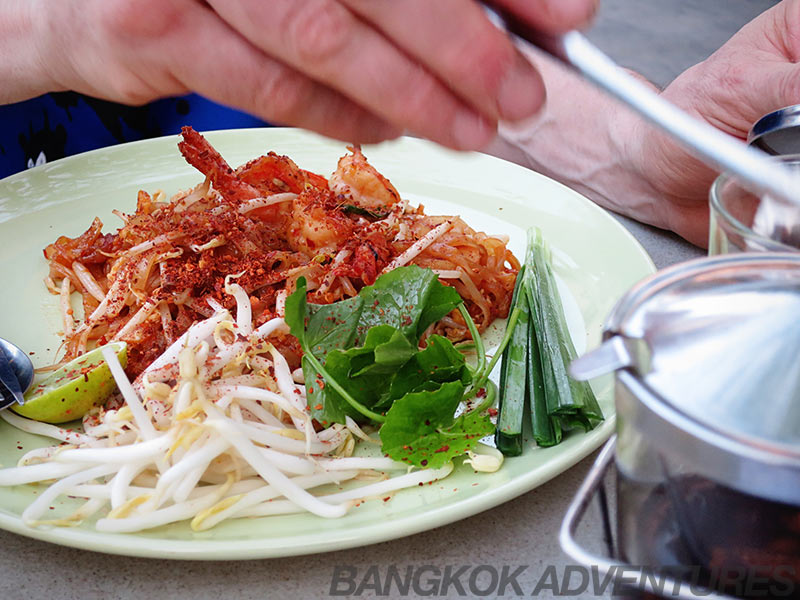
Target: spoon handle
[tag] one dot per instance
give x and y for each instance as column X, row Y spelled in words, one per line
column 10, row 391
column 753, row 167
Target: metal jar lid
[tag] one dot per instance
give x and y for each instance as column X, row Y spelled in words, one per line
column 778, row 132
column 712, row 346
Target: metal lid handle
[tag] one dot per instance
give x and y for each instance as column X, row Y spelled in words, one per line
column 577, row 508
column 617, row 352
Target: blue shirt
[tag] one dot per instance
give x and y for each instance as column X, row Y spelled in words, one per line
column 60, row 124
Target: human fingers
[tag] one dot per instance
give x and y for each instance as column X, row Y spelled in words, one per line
column 552, row 16
column 185, row 46
column 458, row 44
column 227, row 68
column 328, row 43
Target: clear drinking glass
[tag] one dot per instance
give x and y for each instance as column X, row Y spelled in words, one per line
column 741, row 221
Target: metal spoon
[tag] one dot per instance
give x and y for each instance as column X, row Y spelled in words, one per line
column 16, row 374
column 717, row 149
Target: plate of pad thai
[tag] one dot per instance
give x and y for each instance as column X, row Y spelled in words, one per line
column 299, row 339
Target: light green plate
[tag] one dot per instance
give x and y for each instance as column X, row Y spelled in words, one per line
column 596, row 259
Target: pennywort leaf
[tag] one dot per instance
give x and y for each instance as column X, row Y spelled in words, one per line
column 408, row 298
column 421, row 430
column 362, row 360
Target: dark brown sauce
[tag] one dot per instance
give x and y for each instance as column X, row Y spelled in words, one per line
column 712, row 536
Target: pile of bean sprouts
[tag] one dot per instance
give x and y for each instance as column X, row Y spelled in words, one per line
column 216, row 428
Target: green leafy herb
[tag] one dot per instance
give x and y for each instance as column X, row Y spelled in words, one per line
column 319, row 383
column 421, row 430
column 400, row 306
column 362, row 360
column 364, row 212
column 365, row 372
column 409, row 298
column 438, row 363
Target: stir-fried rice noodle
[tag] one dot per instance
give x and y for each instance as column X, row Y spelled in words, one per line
column 229, row 436
column 268, row 223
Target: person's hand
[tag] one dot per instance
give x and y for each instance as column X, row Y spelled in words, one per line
column 756, row 72
column 607, row 152
column 360, row 70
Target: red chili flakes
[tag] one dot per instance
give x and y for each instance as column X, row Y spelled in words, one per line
column 387, row 498
column 493, row 412
column 444, row 448
column 423, row 462
column 318, row 407
column 481, row 393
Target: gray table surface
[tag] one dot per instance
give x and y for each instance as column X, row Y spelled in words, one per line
column 641, row 34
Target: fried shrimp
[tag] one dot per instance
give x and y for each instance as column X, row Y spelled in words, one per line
column 359, row 183
column 316, row 226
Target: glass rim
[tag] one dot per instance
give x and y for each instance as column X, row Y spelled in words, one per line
column 715, row 195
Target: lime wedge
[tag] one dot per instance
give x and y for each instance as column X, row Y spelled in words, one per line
column 73, row 390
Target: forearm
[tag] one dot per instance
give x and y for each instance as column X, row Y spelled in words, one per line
column 22, row 72
column 587, row 141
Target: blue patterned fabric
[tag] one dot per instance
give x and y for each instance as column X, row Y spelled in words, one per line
column 55, row 125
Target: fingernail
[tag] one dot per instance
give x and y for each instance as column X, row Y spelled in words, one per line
column 471, row 131
column 521, row 92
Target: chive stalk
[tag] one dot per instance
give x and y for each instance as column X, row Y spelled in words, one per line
column 569, row 403
column 513, row 378
column 545, row 432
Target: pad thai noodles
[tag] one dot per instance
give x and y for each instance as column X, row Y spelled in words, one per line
column 268, row 223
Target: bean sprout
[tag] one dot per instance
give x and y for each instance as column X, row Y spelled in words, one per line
column 212, row 430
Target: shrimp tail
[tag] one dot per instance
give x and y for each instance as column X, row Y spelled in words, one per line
column 199, row 153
